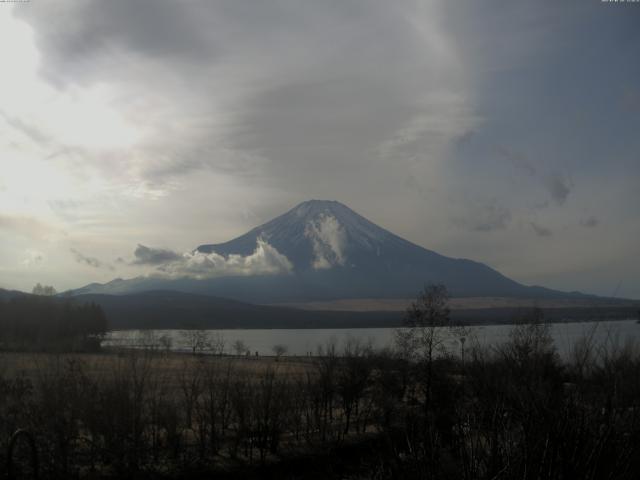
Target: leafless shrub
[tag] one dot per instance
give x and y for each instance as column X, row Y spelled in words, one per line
column 197, row 341
column 239, row 347
column 279, row 350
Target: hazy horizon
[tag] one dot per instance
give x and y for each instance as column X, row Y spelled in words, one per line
column 501, row 132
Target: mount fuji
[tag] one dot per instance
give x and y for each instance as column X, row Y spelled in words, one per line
column 331, row 253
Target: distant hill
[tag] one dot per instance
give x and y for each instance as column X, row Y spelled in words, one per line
column 9, row 294
column 335, row 254
column 170, row 309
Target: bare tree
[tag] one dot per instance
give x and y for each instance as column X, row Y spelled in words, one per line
column 166, row 342
column 279, row 350
column 530, row 342
column 240, row 347
column 324, row 383
column 423, row 335
column 44, row 290
column 353, row 377
column 217, row 344
column 196, row 340
column 148, row 340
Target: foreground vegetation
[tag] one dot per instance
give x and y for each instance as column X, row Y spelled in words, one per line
column 516, row 410
column 512, row 412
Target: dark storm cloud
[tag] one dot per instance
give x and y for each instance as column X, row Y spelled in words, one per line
column 154, row 256
column 87, row 31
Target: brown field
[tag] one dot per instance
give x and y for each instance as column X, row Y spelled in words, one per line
column 169, row 364
column 177, row 414
column 462, row 303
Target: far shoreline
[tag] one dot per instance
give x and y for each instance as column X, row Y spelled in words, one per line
column 371, row 327
column 387, row 319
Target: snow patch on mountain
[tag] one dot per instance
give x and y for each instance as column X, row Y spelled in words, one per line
column 329, row 241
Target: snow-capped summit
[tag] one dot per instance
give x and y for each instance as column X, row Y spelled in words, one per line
column 316, row 234
column 332, row 246
column 332, row 253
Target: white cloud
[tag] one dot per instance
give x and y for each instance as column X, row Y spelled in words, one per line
column 265, row 260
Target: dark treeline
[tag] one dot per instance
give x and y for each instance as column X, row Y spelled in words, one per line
column 35, row 322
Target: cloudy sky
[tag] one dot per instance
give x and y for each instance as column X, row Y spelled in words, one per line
column 506, row 132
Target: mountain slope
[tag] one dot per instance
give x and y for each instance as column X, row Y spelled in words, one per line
column 333, row 248
column 335, row 253
column 9, row 294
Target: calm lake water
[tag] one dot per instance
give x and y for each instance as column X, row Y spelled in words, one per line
column 303, row 341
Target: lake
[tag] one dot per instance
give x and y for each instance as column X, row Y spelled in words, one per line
column 303, row 341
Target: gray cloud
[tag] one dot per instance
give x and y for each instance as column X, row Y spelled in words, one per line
column 161, row 29
column 464, row 140
column 90, row 261
column 484, row 217
column 492, row 217
column 30, row 131
column 25, row 226
column 237, row 109
column 590, row 221
column 558, row 187
column 540, row 230
column 154, row 256
column 33, row 257
column 517, row 159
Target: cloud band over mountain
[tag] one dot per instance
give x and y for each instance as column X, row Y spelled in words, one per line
column 265, row 260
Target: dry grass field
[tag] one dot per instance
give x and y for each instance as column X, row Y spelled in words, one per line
column 459, row 303
column 169, row 365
